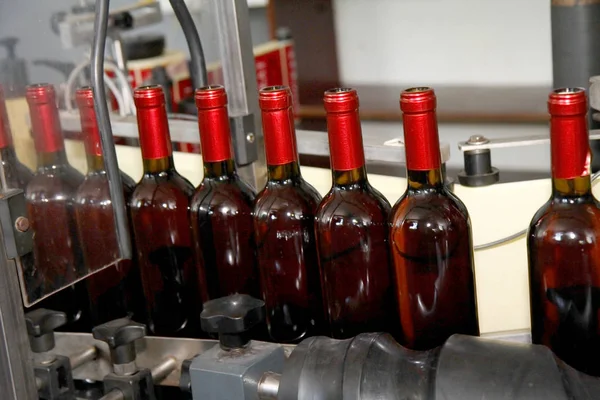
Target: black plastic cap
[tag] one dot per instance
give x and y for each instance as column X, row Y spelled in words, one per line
column 41, row 324
column 120, row 335
column 231, row 317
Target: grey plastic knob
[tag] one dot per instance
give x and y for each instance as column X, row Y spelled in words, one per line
column 120, row 335
column 41, row 324
column 232, row 317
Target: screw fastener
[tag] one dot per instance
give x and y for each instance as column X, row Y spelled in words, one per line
column 22, row 224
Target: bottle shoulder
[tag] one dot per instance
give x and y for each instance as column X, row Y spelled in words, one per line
column 295, row 199
column 561, row 221
column 170, row 190
column 362, row 204
column 232, row 194
column 59, row 180
column 432, row 210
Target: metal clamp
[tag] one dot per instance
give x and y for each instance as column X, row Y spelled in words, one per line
column 16, row 227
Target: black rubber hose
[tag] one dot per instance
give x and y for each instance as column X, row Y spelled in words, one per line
column 106, row 136
column 198, row 70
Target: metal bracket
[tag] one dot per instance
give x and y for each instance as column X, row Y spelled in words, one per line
column 515, row 142
column 244, row 139
column 16, row 229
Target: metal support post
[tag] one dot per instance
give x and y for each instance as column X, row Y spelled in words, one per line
column 239, row 74
column 17, row 379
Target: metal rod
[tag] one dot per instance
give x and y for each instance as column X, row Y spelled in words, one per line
column 83, row 357
column 162, row 370
column 268, row 386
column 114, row 394
column 110, row 156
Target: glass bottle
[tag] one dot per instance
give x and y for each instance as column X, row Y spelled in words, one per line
column 159, row 212
column 284, row 222
column 562, row 243
column 352, row 231
column 430, row 238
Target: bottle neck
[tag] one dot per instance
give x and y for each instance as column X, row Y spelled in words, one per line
column 346, row 144
column 52, row 159
column 571, row 188
column 570, row 153
column 422, row 145
column 280, row 139
column 155, row 139
column 156, row 166
column 356, row 176
column 215, row 137
column 46, row 130
column 422, row 180
column 219, row 169
column 283, row 172
column 95, row 163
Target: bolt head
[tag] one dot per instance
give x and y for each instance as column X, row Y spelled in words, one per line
column 250, row 137
column 477, row 139
column 22, row 224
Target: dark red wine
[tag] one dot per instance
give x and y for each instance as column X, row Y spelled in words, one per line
column 115, row 291
column 221, row 209
column 564, row 257
column 284, row 215
column 161, row 226
column 50, row 206
column 16, row 175
column 352, row 232
column 431, row 238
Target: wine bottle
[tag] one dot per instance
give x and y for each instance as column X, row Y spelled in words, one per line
column 50, row 206
column 431, row 238
column 221, row 209
column 284, row 214
column 16, row 175
column 352, row 231
column 115, row 291
column 563, row 243
column 161, row 226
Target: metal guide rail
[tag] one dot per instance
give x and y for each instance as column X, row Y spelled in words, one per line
column 184, row 128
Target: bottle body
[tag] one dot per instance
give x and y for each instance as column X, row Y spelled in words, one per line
column 433, row 258
column 562, row 243
column 159, row 209
column 221, row 208
column 159, row 214
column 221, row 214
column 352, row 232
column 431, row 239
column 114, row 292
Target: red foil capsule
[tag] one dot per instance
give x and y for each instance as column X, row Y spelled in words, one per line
column 45, row 124
column 89, row 124
column 5, row 134
column 421, row 140
column 213, row 123
column 153, row 125
column 343, row 127
column 278, row 125
column 569, row 139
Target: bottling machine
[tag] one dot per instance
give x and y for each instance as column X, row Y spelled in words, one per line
column 39, row 360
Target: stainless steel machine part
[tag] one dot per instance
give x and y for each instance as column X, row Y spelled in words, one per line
column 268, row 386
column 17, row 378
column 239, row 74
